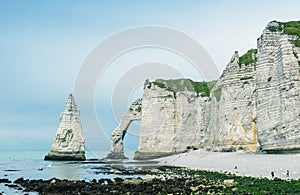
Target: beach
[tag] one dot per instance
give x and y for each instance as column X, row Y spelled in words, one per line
column 243, row 164
column 162, row 180
column 197, row 171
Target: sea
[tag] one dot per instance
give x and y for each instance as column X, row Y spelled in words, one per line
column 31, row 165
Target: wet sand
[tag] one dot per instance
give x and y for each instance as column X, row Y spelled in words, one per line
column 255, row 165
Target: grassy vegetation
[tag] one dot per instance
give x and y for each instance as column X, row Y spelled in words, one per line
column 296, row 42
column 250, row 185
column 295, row 54
column 210, row 182
column 289, row 28
column 211, row 84
column 274, row 28
column 69, row 131
column 160, row 84
column 291, row 24
column 138, row 109
column 292, row 31
column 217, row 94
column 201, row 88
column 247, row 57
column 175, row 180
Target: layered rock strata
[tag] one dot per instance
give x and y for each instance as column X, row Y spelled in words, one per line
column 69, row 140
column 253, row 106
column 232, row 118
column 172, row 117
column 116, row 141
column 278, row 87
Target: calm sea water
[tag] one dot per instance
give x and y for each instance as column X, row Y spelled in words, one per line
column 30, row 165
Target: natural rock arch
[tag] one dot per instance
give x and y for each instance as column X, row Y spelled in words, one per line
column 116, row 140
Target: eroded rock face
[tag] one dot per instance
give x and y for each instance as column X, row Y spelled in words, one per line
column 232, row 116
column 116, row 141
column 69, row 139
column 277, row 91
column 253, row 106
column 171, row 118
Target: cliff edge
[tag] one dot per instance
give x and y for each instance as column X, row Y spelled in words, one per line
column 253, row 106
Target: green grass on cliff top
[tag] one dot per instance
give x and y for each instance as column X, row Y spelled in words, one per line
column 289, row 28
column 247, row 57
column 175, row 85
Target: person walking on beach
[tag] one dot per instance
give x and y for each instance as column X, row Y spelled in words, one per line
column 287, row 173
column 272, row 174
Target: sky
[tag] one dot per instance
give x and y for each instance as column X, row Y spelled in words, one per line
column 44, row 44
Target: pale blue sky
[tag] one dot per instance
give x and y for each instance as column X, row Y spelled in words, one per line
column 43, row 43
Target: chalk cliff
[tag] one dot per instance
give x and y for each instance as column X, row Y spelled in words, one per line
column 173, row 114
column 253, row 106
column 232, row 125
column 278, row 87
column 116, row 141
column 69, row 140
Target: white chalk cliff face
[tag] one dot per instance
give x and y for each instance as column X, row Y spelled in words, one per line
column 253, row 106
column 69, row 139
column 116, row 141
column 172, row 118
column 232, row 118
column 278, row 87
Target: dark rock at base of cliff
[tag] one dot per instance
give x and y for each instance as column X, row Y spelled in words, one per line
column 76, row 156
column 284, row 151
column 5, row 181
column 152, row 155
column 64, row 158
column 167, row 180
column 12, row 186
column 114, row 155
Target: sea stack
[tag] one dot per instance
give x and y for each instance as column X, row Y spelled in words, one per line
column 69, row 140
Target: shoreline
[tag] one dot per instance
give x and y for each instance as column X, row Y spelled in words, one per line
column 197, row 171
column 242, row 164
column 163, row 180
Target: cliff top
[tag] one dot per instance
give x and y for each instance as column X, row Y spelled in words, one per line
column 247, row 58
column 288, row 28
column 175, row 85
column 203, row 88
column 70, row 104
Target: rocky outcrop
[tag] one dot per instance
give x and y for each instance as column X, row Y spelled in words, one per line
column 278, row 87
column 232, row 117
column 172, row 117
column 69, row 140
column 116, row 142
column 253, row 106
